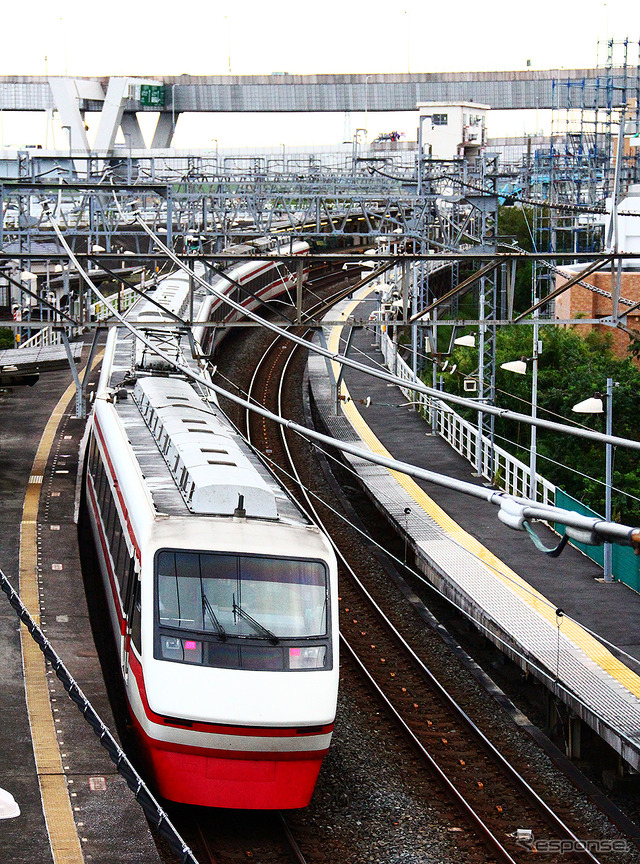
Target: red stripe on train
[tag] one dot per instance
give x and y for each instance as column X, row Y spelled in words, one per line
column 116, row 486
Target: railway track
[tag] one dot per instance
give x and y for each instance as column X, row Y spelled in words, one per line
column 501, row 810
column 228, row 836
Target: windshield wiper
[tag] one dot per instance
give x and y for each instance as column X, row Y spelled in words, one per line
column 238, row 610
column 222, row 633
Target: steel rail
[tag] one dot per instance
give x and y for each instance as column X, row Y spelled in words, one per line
column 436, row 686
column 313, row 310
column 205, row 844
column 291, row 840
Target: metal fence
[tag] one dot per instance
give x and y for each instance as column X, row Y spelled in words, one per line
column 498, row 465
column 625, row 564
column 41, row 338
column 122, row 301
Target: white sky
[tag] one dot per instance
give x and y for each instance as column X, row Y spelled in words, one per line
column 254, row 37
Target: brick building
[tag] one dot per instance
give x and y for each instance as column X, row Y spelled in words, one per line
column 579, row 301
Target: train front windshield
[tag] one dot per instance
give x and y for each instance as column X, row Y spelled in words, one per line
column 242, row 611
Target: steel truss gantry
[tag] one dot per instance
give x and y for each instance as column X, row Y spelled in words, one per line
column 353, row 204
column 426, row 208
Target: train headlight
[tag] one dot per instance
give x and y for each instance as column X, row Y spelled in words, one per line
column 309, row 657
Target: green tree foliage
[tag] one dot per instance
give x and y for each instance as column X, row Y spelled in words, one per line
column 6, row 338
column 571, row 368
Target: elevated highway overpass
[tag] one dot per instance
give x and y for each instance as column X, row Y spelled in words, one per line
column 119, row 99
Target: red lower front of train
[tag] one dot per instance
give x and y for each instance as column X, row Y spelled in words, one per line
column 236, row 780
column 262, row 780
column 279, row 774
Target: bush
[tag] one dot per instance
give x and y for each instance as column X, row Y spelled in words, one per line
column 6, row 338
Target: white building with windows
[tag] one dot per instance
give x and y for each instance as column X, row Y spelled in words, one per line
column 452, row 129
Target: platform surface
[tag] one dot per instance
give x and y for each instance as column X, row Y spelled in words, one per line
column 74, row 806
column 495, row 573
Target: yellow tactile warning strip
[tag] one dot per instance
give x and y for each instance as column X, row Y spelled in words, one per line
column 572, row 630
column 63, row 836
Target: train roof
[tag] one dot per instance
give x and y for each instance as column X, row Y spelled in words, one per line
column 193, row 460
column 203, row 455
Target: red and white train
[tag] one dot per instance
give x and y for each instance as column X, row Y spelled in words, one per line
column 255, row 283
column 222, row 596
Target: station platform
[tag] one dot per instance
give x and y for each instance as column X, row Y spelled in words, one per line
column 507, row 587
column 24, row 365
column 74, row 806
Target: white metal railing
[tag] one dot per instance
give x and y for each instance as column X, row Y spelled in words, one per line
column 123, row 300
column 44, row 336
column 99, row 312
column 501, row 468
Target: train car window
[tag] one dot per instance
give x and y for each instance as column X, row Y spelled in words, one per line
column 102, row 487
column 97, row 472
column 115, row 548
column 116, row 536
column 93, row 457
column 128, row 585
column 136, row 627
column 105, row 504
column 122, row 566
column 250, row 612
column 112, row 516
column 97, row 459
column 288, row 593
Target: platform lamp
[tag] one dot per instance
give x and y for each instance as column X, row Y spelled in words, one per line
column 468, row 341
column 594, row 405
column 470, row 385
column 520, row 367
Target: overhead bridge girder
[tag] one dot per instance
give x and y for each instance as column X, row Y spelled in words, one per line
column 516, row 90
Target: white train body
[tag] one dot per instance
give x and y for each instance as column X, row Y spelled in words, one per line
column 259, row 281
column 222, row 596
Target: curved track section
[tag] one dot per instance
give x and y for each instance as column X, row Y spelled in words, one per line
column 483, row 785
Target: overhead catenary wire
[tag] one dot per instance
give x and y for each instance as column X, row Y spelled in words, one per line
column 516, row 509
column 393, row 379
column 493, row 497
